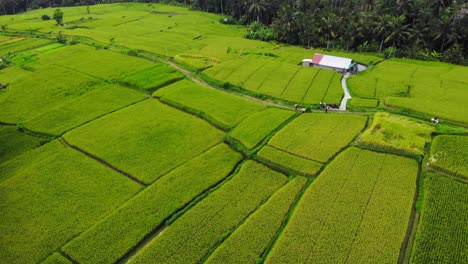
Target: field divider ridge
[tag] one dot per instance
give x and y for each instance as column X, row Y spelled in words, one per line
column 65, row 255
column 290, row 80
column 310, row 85
column 181, row 211
column 233, row 229
column 103, row 162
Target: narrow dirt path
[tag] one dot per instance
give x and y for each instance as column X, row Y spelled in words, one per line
column 347, row 96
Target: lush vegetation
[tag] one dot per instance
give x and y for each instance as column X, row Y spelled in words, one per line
column 13, row 142
column 441, row 235
column 436, row 89
column 318, row 136
column 255, row 128
column 225, row 109
column 208, row 222
column 147, row 139
column 293, row 162
column 147, row 210
column 449, row 154
column 249, row 241
column 52, row 198
column 357, row 211
column 398, row 133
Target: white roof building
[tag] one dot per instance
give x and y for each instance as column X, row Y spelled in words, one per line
column 330, row 62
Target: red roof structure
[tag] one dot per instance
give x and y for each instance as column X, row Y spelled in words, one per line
column 317, row 58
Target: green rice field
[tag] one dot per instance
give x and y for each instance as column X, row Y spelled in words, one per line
column 156, row 134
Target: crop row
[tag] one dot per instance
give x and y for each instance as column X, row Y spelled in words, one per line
column 450, row 153
column 227, row 109
column 357, row 211
column 318, row 136
column 139, row 216
column 442, row 231
column 194, row 234
column 50, row 195
column 249, row 241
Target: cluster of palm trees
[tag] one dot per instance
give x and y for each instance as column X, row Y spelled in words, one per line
column 423, row 29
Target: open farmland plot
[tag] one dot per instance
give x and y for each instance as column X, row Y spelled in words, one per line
column 249, row 241
column 450, row 154
column 252, row 130
column 300, row 84
column 17, row 45
column 147, row 139
column 325, row 87
column 13, row 142
column 146, row 211
column 221, row 108
column 442, row 229
column 191, row 237
column 289, row 161
column 318, row 136
column 436, row 89
column 398, row 133
column 357, row 211
column 51, row 194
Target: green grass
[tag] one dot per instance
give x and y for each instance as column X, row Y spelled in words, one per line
column 293, row 162
column 139, row 216
column 357, row 103
column 252, row 130
column 436, row 89
column 318, row 136
column 196, row 61
column 398, row 133
column 49, row 196
column 147, row 139
column 201, row 228
column 13, row 142
column 357, row 211
column 249, row 241
column 226, row 109
column 442, row 229
column 21, row 45
column 450, row 153
column 152, row 78
column 56, row 258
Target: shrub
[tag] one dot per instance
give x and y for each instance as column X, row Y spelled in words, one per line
column 45, row 17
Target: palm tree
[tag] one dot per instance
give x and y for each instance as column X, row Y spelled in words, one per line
column 381, row 28
column 330, row 23
column 257, row 7
column 445, row 30
column 398, row 30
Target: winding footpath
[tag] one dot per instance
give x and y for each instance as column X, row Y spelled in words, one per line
column 347, row 96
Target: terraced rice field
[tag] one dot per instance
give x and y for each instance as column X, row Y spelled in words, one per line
column 357, row 211
column 442, row 232
column 449, row 154
column 111, row 153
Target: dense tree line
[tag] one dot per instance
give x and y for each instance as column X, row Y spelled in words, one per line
column 422, row 29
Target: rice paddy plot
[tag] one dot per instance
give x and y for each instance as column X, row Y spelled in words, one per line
column 102, row 100
column 13, row 142
column 395, row 132
column 56, row 258
column 450, row 154
column 250, row 240
column 152, row 78
column 289, row 161
column 197, row 62
column 142, row 214
column 356, row 211
column 334, row 93
column 300, row 84
column 191, row 237
column 219, row 107
column 256, row 127
column 243, row 73
column 442, row 229
column 8, row 48
column 147, row 139
column 357, row 103
column 255, row 81
column 279, row 79
column 50, row 195
column 318, row 136
column 319, row 87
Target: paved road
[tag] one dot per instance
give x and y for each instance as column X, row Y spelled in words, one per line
column 347, row 96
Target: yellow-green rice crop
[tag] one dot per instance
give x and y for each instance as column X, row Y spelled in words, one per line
column 139, row 216
column 397, row 132
column 442, row 229
column 13, row 142
column 192, row 236
column 357, row 211
column 147, row 139
column 450, row 154
column 252, row 130
column 290, row 161
column 318, row 136
column 249, row 241
column 50, row 195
